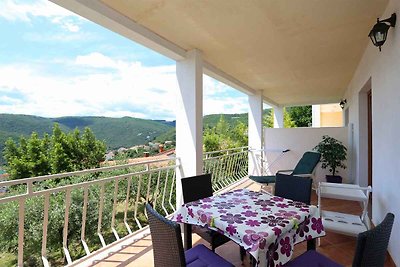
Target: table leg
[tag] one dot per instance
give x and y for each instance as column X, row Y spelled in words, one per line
column 311, row 244
column 187, row 235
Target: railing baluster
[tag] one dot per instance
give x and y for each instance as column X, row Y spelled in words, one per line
column 128, row 192
column 99, row 222
column 114, row 210
column 66, row 221
column 148, row 190
column 137, row 202
column 84, row 214
column 45, row 224
column 156, row 190
column 164, row 191
column 21, row 229
column 172, row 205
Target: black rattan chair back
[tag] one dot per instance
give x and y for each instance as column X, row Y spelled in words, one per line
column 167, row 240
column 372, row 244
column 196, row 187
column 293, row 187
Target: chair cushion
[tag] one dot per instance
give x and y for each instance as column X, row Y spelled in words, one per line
column 263, row 179
column 307, row 163
column 200, row 256
column 312, row 258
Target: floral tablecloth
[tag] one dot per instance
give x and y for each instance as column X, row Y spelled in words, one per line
column 266, row 226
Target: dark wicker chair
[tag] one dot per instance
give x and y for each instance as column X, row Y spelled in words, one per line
column 195, row 188
column 370, row 251
column 198, row 187
column 293, row 187
column 168, row 248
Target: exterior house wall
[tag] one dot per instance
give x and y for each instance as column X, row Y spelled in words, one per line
column 327, row 115
column 379, row 71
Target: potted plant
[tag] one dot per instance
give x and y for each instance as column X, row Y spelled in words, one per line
column 333, row 154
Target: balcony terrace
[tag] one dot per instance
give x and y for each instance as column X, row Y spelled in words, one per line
column 283, row 53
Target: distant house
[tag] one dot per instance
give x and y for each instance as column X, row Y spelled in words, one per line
column 110, row 156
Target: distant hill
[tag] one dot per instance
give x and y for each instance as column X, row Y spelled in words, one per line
column 116, row 132
column 231, row 119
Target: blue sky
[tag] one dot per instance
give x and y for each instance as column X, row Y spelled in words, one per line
column 54, row 63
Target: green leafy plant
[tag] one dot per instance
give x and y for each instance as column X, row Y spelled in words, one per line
column 333, row 153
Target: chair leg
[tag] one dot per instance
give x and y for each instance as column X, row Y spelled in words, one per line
column 213, row 247
column 311, row 244
column 242, row 253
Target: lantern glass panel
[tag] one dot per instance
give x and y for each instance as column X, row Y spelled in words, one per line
column 380, row 36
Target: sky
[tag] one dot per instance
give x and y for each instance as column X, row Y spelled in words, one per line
column 54, row 63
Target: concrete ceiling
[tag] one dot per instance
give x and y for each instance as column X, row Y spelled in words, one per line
column 296, row 51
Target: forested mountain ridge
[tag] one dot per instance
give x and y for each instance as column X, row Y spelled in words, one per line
column 116, row 132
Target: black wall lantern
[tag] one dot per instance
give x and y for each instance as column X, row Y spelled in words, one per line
column 379, row 32
column 342, row 103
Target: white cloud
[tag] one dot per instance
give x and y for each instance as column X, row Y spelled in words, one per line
column 13, row 10
column 129, row 89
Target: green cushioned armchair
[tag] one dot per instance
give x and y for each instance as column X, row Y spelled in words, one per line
column 304, row 168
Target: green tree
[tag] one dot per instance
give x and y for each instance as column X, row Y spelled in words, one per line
column 301, row 115
column 61, row 152
column 225, row 136
column 287, row 120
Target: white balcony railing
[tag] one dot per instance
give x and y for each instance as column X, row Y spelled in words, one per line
column 226, row 166
column 73, row 215
column 110, row 198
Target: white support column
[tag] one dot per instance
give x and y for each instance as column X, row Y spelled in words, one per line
column 255, row 132
column 316, row 115
column 189, row 118
column 278, row 117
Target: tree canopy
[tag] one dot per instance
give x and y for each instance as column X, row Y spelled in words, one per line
column 60, row 152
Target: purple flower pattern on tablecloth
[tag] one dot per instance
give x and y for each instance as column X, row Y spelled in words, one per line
column 297, row 204
column 205, row 217
column 190, row 212
column 277, row 231
column 224, row 205
column 238, row 201
column 262, row 223
column 207, row 199
column 303, row 228
column 232, row 218
column 286, row 248
column 264, row 202
column 282, row 205
column 231, row 229
column 179, row 218
column 249, row 213
column 253, row 223
column 317, row 225
column 272, row 254
column 255, row 239
column 277, row 199
column 272, row 221
column 205, row 206
column 288, row 214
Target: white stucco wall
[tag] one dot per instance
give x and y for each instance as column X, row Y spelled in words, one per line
column 382, row 69
column 299, row 140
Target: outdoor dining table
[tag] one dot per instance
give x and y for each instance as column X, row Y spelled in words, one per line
column 266, row 226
